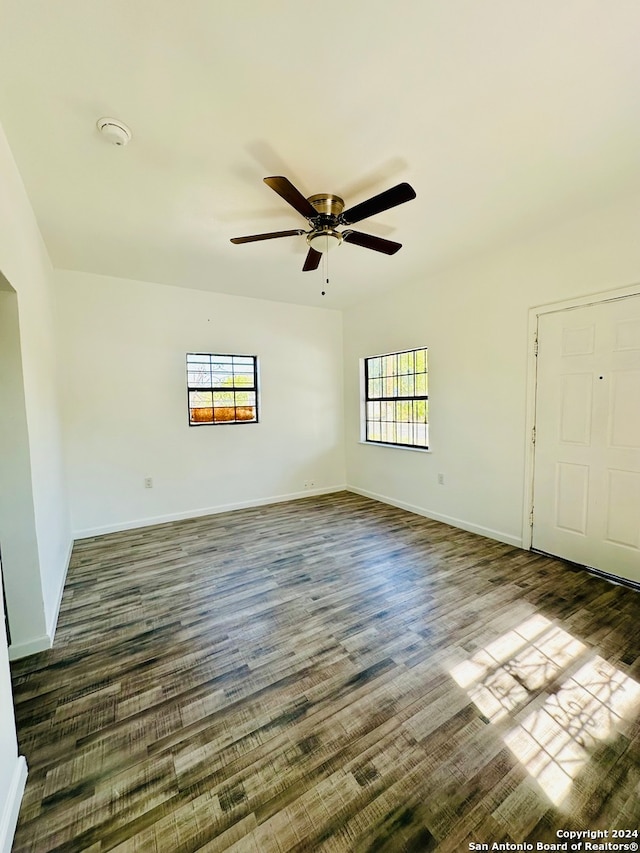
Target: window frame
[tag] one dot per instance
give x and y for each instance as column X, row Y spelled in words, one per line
column 212, row 388
column 367, row 398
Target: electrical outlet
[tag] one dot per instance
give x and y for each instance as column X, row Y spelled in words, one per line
column 148, row 482
column 441, row 479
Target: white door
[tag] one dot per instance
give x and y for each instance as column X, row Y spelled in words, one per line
column 586, row 502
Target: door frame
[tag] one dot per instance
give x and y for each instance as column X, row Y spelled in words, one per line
column 532, row 378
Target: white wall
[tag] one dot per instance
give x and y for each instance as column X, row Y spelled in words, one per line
column 25, row 266
column 18, row 537
column 125, row 403
column 13, row 768
column 17, row 543
column 474, row 320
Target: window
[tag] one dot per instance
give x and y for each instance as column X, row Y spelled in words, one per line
column 396, row 399
column 222, row 389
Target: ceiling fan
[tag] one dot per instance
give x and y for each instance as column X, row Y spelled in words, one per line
column 325, row 213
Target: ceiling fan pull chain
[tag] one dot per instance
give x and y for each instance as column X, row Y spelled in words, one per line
column 325, row 270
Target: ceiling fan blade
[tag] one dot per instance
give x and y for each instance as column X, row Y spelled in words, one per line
column 270, row 236
column 389, row 198
column 312, row 261
column 368, row 241
column 291, row 195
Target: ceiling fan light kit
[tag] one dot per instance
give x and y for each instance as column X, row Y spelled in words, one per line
column 325, row 213
column 324, row 239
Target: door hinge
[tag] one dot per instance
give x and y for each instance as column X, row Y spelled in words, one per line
column 533, row 435
column 531, row 518
column 535, row 345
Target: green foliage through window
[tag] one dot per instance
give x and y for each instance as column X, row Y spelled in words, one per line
column 397, row 398
column 222, row 389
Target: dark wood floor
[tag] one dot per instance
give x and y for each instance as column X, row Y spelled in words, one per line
column 330, row 674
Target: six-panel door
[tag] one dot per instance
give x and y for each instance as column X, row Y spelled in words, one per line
column 587, row 451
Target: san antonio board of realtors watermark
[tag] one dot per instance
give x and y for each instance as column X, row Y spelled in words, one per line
column 572, row 839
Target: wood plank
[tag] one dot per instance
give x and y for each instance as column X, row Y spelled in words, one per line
column 315, row 675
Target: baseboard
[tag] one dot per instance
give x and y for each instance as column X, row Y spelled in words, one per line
column 445, row 519
column 53, row 620
column 11, row 810
column 197, row 513
column 30, row 647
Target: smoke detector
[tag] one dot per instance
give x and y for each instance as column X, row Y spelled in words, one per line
column 114, row 131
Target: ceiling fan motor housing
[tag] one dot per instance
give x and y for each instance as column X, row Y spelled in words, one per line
column 327, row 204
column 324, row 235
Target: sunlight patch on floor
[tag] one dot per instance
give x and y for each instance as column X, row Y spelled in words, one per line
column 499, row 677
column 554, row 742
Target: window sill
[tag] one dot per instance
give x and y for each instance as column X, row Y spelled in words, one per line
column 395, row 446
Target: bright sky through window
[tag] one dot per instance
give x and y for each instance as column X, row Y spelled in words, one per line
column 396, row 398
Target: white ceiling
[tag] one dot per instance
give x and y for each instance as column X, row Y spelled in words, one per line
column 506, row 116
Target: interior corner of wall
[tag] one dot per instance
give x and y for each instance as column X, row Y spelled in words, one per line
column 30, row 647
column 52, row 616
